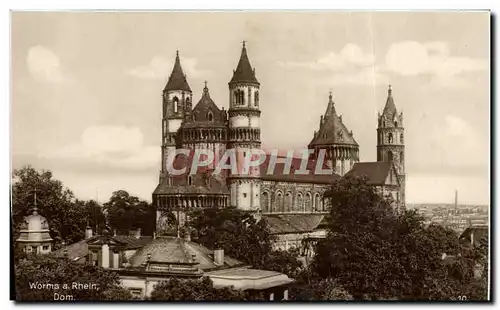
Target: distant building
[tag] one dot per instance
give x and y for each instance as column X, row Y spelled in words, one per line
column 142, row 262
column 34, row 235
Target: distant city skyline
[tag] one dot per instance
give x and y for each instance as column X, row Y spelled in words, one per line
column 86, row 89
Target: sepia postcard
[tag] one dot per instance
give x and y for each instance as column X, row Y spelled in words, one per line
column 250, row 156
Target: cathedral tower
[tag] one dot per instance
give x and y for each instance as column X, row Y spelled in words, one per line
column 177, row 106
column 390, row 140
column 341, row 149
column 244, row 133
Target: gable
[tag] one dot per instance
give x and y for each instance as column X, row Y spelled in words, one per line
column 392, row 177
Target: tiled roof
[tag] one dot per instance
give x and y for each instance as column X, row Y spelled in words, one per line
column 244, row 72
column 80, row 249
column 132, row 242
column 332, row 131
column 375, row 172
column 293, row 223
column 75, row 251
column 277, row 174
column 177, row 250
column 177, row 79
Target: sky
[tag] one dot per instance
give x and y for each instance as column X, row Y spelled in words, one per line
column 86, row 89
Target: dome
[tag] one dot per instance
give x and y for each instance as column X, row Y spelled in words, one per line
column 35, row 228
column 35, row 222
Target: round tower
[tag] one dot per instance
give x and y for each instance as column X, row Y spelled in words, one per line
column 244, row 134
column 390, row 140
column 177, row 105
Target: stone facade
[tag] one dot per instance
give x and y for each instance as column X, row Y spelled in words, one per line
column 206, row 127
column 390, row 141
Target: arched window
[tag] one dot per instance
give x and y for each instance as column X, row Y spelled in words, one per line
column 307, row 203
column 210, row 116
column 300, row 202
column 396, row 124
column 279, row 201
column 256, row 98
column 264, row 201
column 188, row 101
column 242, row 97
column 401, row 138
column 288, row 202
column 236, row 97
column 390, row 137
column 176, row 104
column 317, row 202
column 190, row 180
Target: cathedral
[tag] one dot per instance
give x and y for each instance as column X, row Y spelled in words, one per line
column 291, row 203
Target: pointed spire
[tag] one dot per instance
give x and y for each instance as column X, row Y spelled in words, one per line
column 177, row 79
column 390, row 107
column 244, row 72
column 35, row 208
column 206, row 94
column 330, row 110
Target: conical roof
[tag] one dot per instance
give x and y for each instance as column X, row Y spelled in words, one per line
column 332, row 130
column 177, row 79
column 244, row 72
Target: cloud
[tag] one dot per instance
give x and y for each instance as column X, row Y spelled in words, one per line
column 160, row 67
column 112, row 146
column 349, row 66
column 366, row 76
column 456, row 143
column 44, row 65
column 350, row 56
column 410, row 58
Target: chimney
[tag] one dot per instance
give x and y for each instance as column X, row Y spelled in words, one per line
column 88, row 232
column 138, row 233
column 219, row 257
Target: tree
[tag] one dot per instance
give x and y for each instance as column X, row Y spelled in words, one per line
column 191, row 290
column 67, row 216
column 322, row 289
column 373, row 252
column 126, row 212
column 242, row 237
column 235, row 231
column 43, row 277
